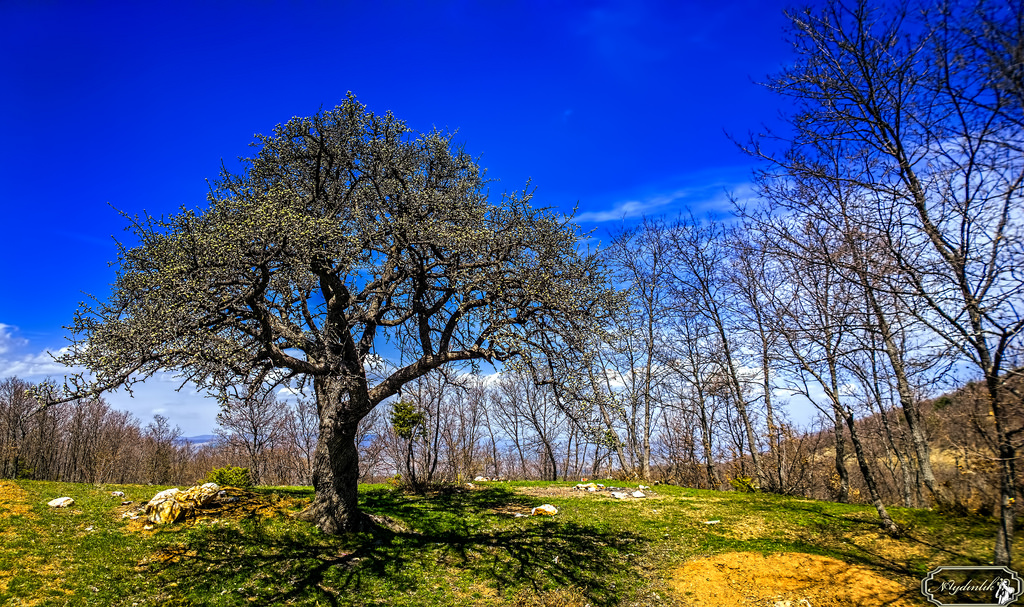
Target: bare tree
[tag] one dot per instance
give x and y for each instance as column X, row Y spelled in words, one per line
column 16, row 410
column 160, row 440
column 875, row 386
column 924, row 112
column 755, row 277
column 700, row 257
column 371, row 449
column 254, row 423
column 694, row 359
column 820, row 336
column 640, row 258
column 464, row 433
column 300, row 425
column 532, row 418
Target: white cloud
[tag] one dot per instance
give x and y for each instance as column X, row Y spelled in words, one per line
column 7, row 339
column 488, row 379
column 705, row 192
column 188, row 408
column 629, row 208
column 33, row 366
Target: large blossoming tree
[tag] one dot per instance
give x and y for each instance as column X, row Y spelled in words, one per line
column 347, row 231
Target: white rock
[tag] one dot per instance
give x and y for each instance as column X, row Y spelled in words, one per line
column 60, row 502
column 714, row 522
column 117, row 493
column 638, row 494
column 165, row 507
column 480, row 479
column 643, row 488
column 163, row 495
column 619, row 495
column 544, row 510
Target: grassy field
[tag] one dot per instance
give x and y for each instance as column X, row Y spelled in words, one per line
column 468, row 547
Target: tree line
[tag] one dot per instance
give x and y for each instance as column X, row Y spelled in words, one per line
column 453, row 428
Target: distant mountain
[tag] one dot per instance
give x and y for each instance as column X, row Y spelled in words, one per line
column 197, row 441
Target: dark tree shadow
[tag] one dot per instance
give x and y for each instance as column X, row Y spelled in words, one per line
column 468, row 531
column 835, row 525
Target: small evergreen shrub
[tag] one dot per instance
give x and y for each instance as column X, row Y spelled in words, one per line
column 231, row 476
column 744, row 484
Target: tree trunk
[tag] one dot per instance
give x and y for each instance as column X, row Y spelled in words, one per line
column 873, row 386
column 741, row 406
column 907, row 486
column 911, row 412
column 645, row 456
column 779, row 480
column 869, row 478
column 843, row 490
column 549, row 455
column 706, row 437
column 1007, row 475
column 616, row 443
column 335, row 507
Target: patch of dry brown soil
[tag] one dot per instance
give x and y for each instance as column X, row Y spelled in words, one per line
column 877, row 543
column 547, row 491
column 544, row 492
column 787, row 580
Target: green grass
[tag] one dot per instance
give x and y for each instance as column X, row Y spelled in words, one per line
column 451, row 547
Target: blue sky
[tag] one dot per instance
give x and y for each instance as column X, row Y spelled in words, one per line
column 620, row 108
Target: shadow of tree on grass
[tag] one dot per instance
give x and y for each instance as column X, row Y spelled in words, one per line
column 828, row 535
column 447, row 546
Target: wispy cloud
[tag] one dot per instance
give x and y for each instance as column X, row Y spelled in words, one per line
column 188, row 407
column 32, row 367
column 630, row 208
column 17, row 361
column 8, row 341
column 709, row 192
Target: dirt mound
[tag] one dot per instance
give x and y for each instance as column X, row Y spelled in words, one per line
column 786, row 580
